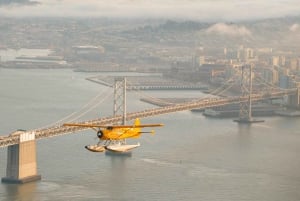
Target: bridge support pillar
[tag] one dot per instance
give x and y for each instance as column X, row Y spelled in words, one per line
column 21, row 161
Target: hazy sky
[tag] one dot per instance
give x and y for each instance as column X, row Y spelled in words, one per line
column 203, row 10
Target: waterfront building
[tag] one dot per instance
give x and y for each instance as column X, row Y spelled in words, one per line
column 275, row 60
column 88, row 52
column 282, row 61
column 294, row 64
column 249, row 54
column 270, row 75
column 201, row 60
column 283, row 81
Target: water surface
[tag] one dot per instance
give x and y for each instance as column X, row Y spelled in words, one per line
column 191, row 158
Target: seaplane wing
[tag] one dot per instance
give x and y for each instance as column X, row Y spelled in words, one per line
column 86, row 125
column 135, row 126
column 113, row 126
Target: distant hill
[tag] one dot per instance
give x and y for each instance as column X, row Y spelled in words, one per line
column 17, row 2
column 279, row 32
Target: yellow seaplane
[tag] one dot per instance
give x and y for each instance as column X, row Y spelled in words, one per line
column 113, row 137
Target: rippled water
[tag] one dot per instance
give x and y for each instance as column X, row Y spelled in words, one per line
column 191, row 158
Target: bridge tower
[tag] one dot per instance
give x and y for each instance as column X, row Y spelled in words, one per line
column 245, row 114
column 21, row 160
column 120, row 98
column 120, row 102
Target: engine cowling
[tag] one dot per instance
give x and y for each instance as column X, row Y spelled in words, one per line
column 100, row 134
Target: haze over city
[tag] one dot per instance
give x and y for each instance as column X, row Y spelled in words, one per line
column 203, row 10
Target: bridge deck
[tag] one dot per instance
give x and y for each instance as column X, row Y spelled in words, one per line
column 201, row 104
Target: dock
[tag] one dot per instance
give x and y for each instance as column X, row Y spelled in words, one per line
column 288, row 113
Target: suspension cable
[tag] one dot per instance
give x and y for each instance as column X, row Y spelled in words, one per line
column 84, row 109
column 216, row 91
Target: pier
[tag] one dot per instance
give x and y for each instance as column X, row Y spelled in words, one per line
column 149, row 83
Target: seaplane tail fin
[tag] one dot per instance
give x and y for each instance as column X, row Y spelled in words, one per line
column 137, row 123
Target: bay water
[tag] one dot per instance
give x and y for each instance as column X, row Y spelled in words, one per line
column 191, row 158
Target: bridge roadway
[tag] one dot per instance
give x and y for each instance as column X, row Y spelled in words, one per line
column 199, row 104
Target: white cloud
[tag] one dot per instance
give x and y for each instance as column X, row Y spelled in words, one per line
column 204, row 10
column 294, row 27
column 229, row 29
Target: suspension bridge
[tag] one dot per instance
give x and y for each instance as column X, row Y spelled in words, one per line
column 198, row 104
column 21, row 160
